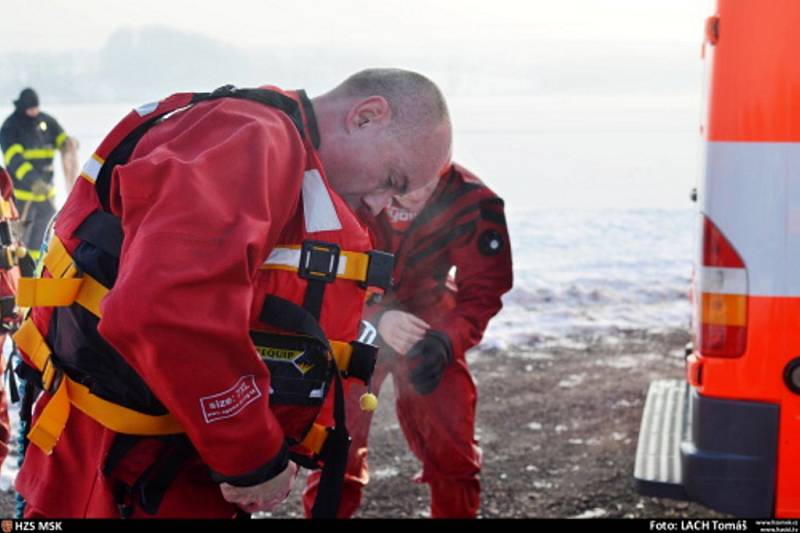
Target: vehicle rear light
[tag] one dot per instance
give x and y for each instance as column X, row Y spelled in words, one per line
column 723, row 296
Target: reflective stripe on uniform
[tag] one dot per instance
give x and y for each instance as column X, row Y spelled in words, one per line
column 146, row 109
column 39, row 153
column 27, row 196
column 92, row 168
column 752, row 194
column 60, row 139
column 23, row 170
column 13, row 150
column 318, row 209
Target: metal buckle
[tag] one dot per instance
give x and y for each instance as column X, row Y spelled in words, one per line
column 51, row 376
column 319, row 261
column 379, row 270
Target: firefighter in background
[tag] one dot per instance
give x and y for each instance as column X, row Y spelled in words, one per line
column 150, row 350
column 29, row 139
column 14, row 260
column 425, row 325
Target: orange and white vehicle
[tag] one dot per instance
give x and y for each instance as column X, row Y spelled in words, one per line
column 729, row 436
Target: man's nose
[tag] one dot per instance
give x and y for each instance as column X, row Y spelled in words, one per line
column 378, row 201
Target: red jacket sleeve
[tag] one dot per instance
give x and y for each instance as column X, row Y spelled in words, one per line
column 203, row 200
column 483, row 274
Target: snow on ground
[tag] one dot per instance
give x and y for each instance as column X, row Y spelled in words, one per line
column 586, row 275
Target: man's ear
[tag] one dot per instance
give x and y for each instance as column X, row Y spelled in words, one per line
column 369, row 112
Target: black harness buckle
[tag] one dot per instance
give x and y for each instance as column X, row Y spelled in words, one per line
column 319, row 261
column 51, row 376
column 9, row 314
column 362, row 362
column 6, row 238
column 8, row 258
column 379, row 270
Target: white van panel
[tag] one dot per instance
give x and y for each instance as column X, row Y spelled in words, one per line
column 751, row 192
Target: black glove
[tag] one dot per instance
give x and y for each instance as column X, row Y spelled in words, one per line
column 434, row 353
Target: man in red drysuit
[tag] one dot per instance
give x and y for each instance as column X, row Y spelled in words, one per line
column 205, row 199
column 425, row 325
column 12, row 257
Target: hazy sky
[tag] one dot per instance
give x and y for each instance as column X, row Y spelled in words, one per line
column 600, row 98
column 52, row 25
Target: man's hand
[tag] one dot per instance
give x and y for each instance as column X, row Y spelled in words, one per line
column 433, row 354
column 265, row 496
column 69, row 160
column 401, row 330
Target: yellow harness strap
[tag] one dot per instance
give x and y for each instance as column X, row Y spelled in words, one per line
column 356, row 266
column 5, row 208
column 352, row 265
column 50, row 424
column 58, row 261
column 315, row 438
column 63, row 288
column 342, row 352
column 47, row 292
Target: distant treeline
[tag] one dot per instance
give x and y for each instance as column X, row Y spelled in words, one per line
column 148, row 63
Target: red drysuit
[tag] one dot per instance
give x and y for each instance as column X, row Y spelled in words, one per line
column 9, row 275
column 462, row 226
column 204, row 198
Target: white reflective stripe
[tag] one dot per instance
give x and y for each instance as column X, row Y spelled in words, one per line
column 146, row 109
column 92, row 167
column 290, row 257
column 368, row 333
column 723, row 280
column 751, row 192
column 318, row 209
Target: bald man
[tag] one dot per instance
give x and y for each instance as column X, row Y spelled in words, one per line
column 217, row 233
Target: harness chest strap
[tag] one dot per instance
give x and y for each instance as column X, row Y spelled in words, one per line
column 63, row 290
column 315, row 260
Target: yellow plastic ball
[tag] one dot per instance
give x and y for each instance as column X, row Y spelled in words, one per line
column 368, row 402
column 21, row 252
